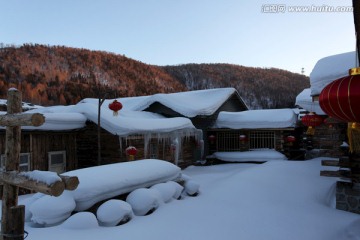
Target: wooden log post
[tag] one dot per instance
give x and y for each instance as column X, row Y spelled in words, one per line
column 12, row 153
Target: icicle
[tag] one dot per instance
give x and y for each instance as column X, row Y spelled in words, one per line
column 120, row 144
column 147, row 138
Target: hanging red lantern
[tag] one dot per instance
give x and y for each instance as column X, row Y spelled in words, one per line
column 340, row 99
column 212, row 139
column 131, row 151
column 115, row 106
column 330, row 122
column 243, row 138
column 311, row 120
column 290, row 140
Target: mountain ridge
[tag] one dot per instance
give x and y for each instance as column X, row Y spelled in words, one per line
column 52, row 75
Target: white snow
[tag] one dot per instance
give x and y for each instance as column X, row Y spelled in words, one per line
column 112, row 212
column 305, row 101
column 106, row 181
column 81, row 221
column 144, row 200
column 258, row 155
column 279, row 200
column 257, row 119
column 49, row 210
column 166, row 190
column 191, row 187
column 42, row 176
column 329, row 69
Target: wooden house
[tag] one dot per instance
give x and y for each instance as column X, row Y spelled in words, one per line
column 255, row 129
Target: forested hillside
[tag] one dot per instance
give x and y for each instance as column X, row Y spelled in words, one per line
column 50, row 75
column 259, row 87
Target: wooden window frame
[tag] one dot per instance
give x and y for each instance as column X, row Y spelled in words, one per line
column 63, row 164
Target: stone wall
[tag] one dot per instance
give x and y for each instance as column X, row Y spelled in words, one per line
column 348, row 197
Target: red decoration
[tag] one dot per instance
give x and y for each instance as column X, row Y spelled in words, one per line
column 115, row 106
column 243, row 138
column 212, row 139
column 311, row 120
column 131, row 151
column 290, row 139
column 340, row 99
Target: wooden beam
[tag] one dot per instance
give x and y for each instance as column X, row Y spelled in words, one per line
column 339, row 173
column 71, row 183
column 25, row 119
column 17, row 216
column 14, row 178
column 331, row 163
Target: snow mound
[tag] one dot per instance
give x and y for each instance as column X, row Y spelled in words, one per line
column 114, row 212
column 27, row 202
column 192, row 188
column 166, row 190
column 143, row 201
column 178, row 189
column 49, row 210
column 107, row 181
column 261, row 155
column 81, row 220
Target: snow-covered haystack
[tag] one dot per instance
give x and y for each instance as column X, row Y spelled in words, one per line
column 49, row 210
column 81, row 220
column 144, row 201
column 114, row 212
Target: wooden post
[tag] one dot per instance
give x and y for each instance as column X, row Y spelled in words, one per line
column 12, row 153
column 12, row 224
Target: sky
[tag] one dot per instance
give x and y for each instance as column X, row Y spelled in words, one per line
column 256, row 33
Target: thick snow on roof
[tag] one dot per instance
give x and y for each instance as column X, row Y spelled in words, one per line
column 193, row 103
column 329, row 69
column 126, row 123
column 132, row 122
column 257, row 119
column 305, row 101
column 259, row 155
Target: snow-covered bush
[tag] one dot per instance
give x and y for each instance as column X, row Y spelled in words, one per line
column 81, row 220
column 166, row 190
column 114, row 212
column 49, row 210
column 178, row 189
column 143, row 201
column 192, row 188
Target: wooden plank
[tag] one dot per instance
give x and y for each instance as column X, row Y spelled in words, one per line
column 17, row 216
column 331, row 163
column 339, row 173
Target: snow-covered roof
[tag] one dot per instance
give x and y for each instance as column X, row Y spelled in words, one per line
column 256, row 155
column 188, row 104
column 329, row 69
column 257, row 119
column 305, row 101
column 127, row 122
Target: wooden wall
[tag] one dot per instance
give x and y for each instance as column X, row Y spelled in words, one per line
column 39, row 143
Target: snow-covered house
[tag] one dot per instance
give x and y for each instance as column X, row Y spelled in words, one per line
column 253, row 129
column 163, row 126
column 328, row 137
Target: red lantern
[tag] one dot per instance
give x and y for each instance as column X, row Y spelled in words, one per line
column 115, row 106
column 243, row 138
column 131, row 151
column 311, row 120
column 212, row 139
column 340, row 99
column 290, row 139
column 330, row 121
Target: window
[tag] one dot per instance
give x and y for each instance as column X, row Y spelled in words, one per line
column 24, row 165
column 262, row 139
column 228, row 141
column 57, row 161
column 153, row 150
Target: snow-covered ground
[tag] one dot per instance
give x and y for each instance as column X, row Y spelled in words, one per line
column 275, row 200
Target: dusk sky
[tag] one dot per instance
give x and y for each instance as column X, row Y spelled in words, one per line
column 256, row 33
